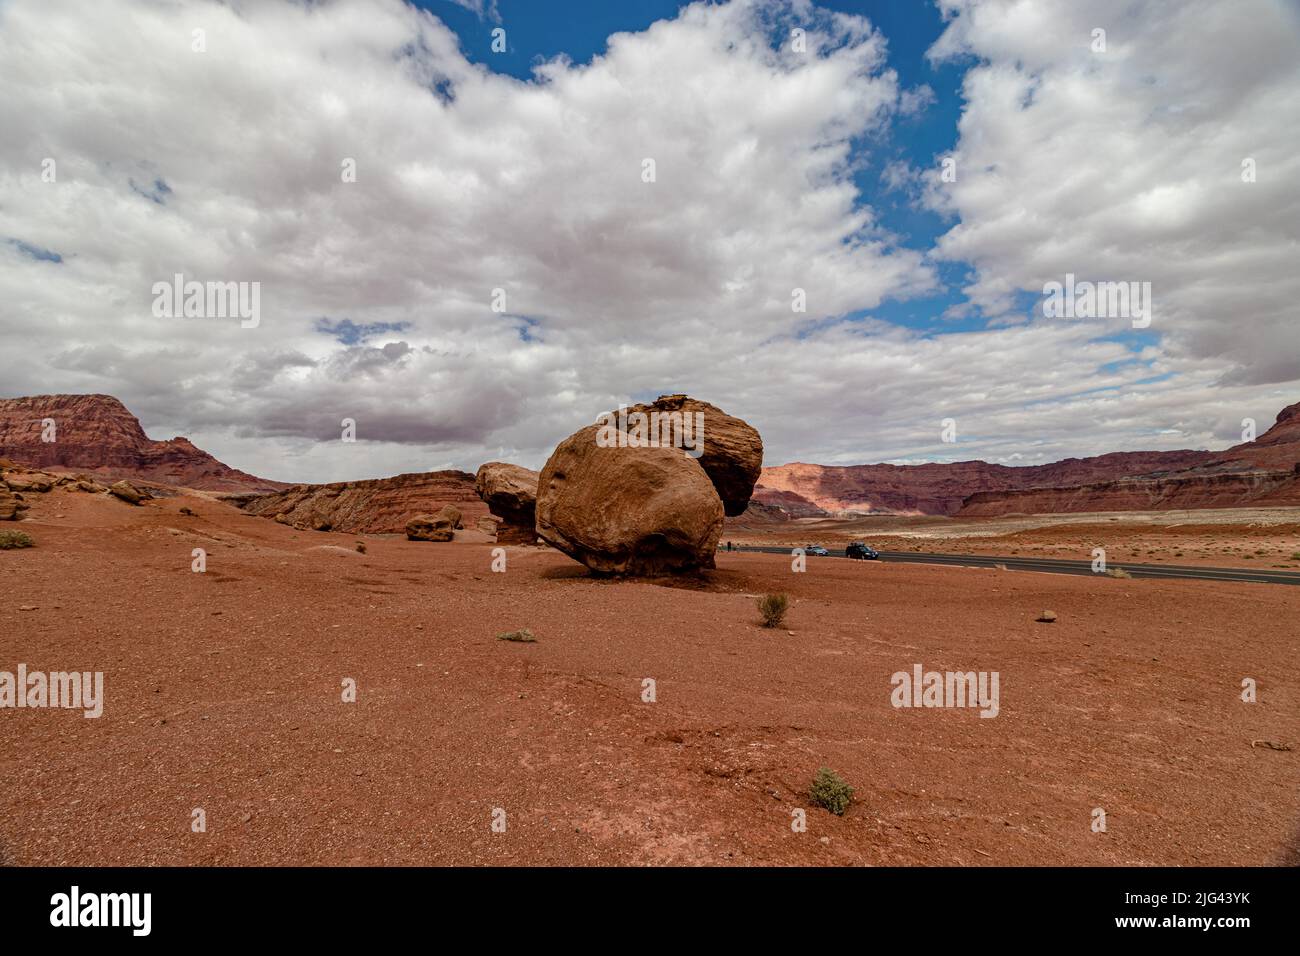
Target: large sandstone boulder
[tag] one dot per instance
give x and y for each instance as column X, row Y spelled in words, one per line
column 732, row 450
column 439, row 527
column 629, row 510
column 510, row 492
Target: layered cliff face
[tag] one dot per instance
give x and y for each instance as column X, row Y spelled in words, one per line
column 1262, row 473
column 940, row 489
column 375, row 506
column 1278, row 449
column 1244, row 490
column 1119, row 481
column 96, row 434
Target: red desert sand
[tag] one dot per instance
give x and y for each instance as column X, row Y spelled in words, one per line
column 224, row 693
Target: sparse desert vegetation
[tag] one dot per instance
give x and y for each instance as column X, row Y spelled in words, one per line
column 772, row 609
column 10, row 539
column 830, row 791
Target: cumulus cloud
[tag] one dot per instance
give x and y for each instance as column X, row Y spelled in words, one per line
column 473, row 188
column 1127, row 164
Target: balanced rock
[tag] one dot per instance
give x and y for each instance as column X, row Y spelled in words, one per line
column 628, row 510
column 510, row 492
column 439, row 527
column 728, row 448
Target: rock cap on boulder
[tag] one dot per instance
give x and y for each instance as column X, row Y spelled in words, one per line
column 729, row 449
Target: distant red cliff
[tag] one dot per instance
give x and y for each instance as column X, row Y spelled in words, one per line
column 1115, row 481
column 96, row 434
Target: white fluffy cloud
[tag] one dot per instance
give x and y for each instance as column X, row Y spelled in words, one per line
column 1127, row 164
column 226, row 165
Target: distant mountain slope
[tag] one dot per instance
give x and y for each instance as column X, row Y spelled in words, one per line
column 1074, row 484
column 940, row 489
column 96, row 434
column 1258, row 474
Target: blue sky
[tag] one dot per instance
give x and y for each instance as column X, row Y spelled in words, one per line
column 579, row 30
column 521, row 173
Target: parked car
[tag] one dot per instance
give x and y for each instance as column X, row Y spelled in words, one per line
column 861, row 552
column 816, row 549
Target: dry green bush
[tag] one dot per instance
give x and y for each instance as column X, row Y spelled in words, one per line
column 772, row 608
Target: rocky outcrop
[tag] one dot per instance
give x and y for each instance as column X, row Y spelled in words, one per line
column 628, row 510
column 730, row 450
column 96, row 434
column 127, row 492
column 30, row 481
column 375, row 506
column 439, row 527
column 510, row 492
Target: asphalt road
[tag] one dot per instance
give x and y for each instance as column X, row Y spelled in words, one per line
column 1061, row 566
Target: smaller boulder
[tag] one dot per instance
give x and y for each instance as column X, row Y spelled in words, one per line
column 510, row 492
column 439, row 527
column 452, row 514
column 10, row 505
column 127, row 492
column 1047, row 617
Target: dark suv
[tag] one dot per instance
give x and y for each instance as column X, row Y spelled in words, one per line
column 861, row 552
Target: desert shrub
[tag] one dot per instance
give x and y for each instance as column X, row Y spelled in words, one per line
column 1296, row 556
column 1117, row 573
column 522, row 636
column 830, row 790
column 772, row 608
column 15, row 539
column 361, row 547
